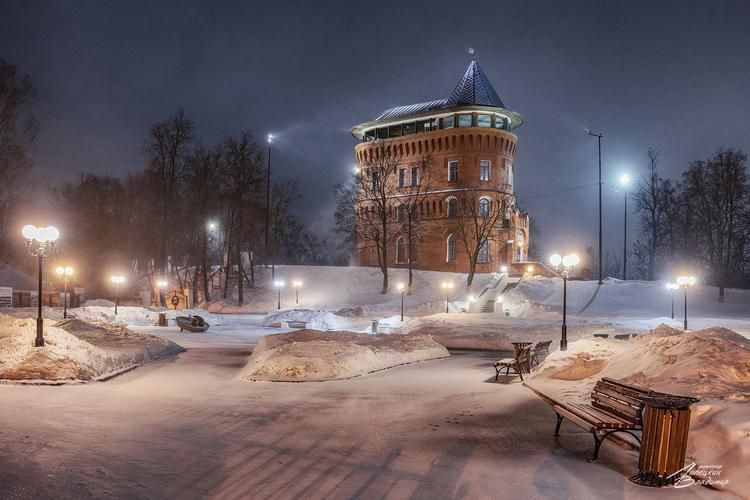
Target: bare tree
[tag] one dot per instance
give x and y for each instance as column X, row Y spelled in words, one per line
column 376, row 190
column 168, row 149
column 478, row 222
column 417, row 184
column 16, row 93
column 652, row 198
column 721, row 194
column 242, row 177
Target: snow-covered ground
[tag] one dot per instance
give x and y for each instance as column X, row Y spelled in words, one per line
column 712, row 364
column 190, row 426
column 311, row 356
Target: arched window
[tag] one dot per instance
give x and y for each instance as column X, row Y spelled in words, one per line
column 484, row 207
column 400, row 250
column 452, row 204
column 451, row 249
column 401, row 213
column 484, row 251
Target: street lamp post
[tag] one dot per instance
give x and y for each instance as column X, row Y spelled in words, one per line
column 672, row 287
column 297, row 284
column 625, row 181
column 117, row 280
column 279, row 285
column 64, row 273
column 40, row 241
column 401, row 287
column 685, row 282
column 599, row 138
column 162, row 284
column 268, row 200
column 447, row 286
column 568, row 262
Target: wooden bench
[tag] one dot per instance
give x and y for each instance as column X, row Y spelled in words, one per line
column 615, row 407
column 520, row 364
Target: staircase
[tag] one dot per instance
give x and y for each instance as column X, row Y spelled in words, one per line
column 485, row 302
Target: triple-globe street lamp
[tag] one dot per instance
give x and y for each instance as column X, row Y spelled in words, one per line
column 568, row 262
column 64, row 273
column 40, row 242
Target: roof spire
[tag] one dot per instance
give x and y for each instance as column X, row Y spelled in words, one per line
column 474, row 89
column 473, row 53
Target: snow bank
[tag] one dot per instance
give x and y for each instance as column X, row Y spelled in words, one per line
column 137, row 316
column 623, row 298
column 316, row 319
column 309, row 355
column 713, row 364
column 488, row 332
column 74, row 350
column 333, row 288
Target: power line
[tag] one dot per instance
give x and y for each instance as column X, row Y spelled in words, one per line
column 557, row 192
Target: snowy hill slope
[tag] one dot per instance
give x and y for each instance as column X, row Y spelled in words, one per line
column 333, row 288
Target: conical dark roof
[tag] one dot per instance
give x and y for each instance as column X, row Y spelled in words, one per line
column 474, row 89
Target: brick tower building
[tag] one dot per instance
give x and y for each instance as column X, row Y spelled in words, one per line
column 468, row 210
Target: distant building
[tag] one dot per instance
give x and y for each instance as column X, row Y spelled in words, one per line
column 468, row 137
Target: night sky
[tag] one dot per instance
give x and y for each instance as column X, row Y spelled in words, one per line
column 670, row 74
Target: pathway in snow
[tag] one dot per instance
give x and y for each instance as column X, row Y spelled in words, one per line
column 188, row 427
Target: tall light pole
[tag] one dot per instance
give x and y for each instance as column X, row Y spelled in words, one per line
column 625, row 182
column 268, row 199
column 447, row 286
column 599, row 138
column 279, row 285
column 568, row 262
column 672, row 287
column 685, row 282
column 40, row 241
column 64, row 273
column 297, row 284
column 117, row 280
column 401, row 287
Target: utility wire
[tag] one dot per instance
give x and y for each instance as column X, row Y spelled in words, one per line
column 557, row 192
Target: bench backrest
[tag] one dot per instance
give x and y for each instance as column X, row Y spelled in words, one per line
column 619, row 399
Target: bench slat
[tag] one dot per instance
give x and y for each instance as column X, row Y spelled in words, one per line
column 628, row 411
column 614, row 392
column 574, row 418
column 601, row 419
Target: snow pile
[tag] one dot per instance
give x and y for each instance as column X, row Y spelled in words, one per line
column 713, row 364
column 137, row 316
column 309, row 355
column 99, row 303
column 316, row 319
column 74, row 350
column 488, row 332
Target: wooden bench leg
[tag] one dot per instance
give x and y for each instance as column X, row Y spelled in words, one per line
column 559, row 421
column 497, row 373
